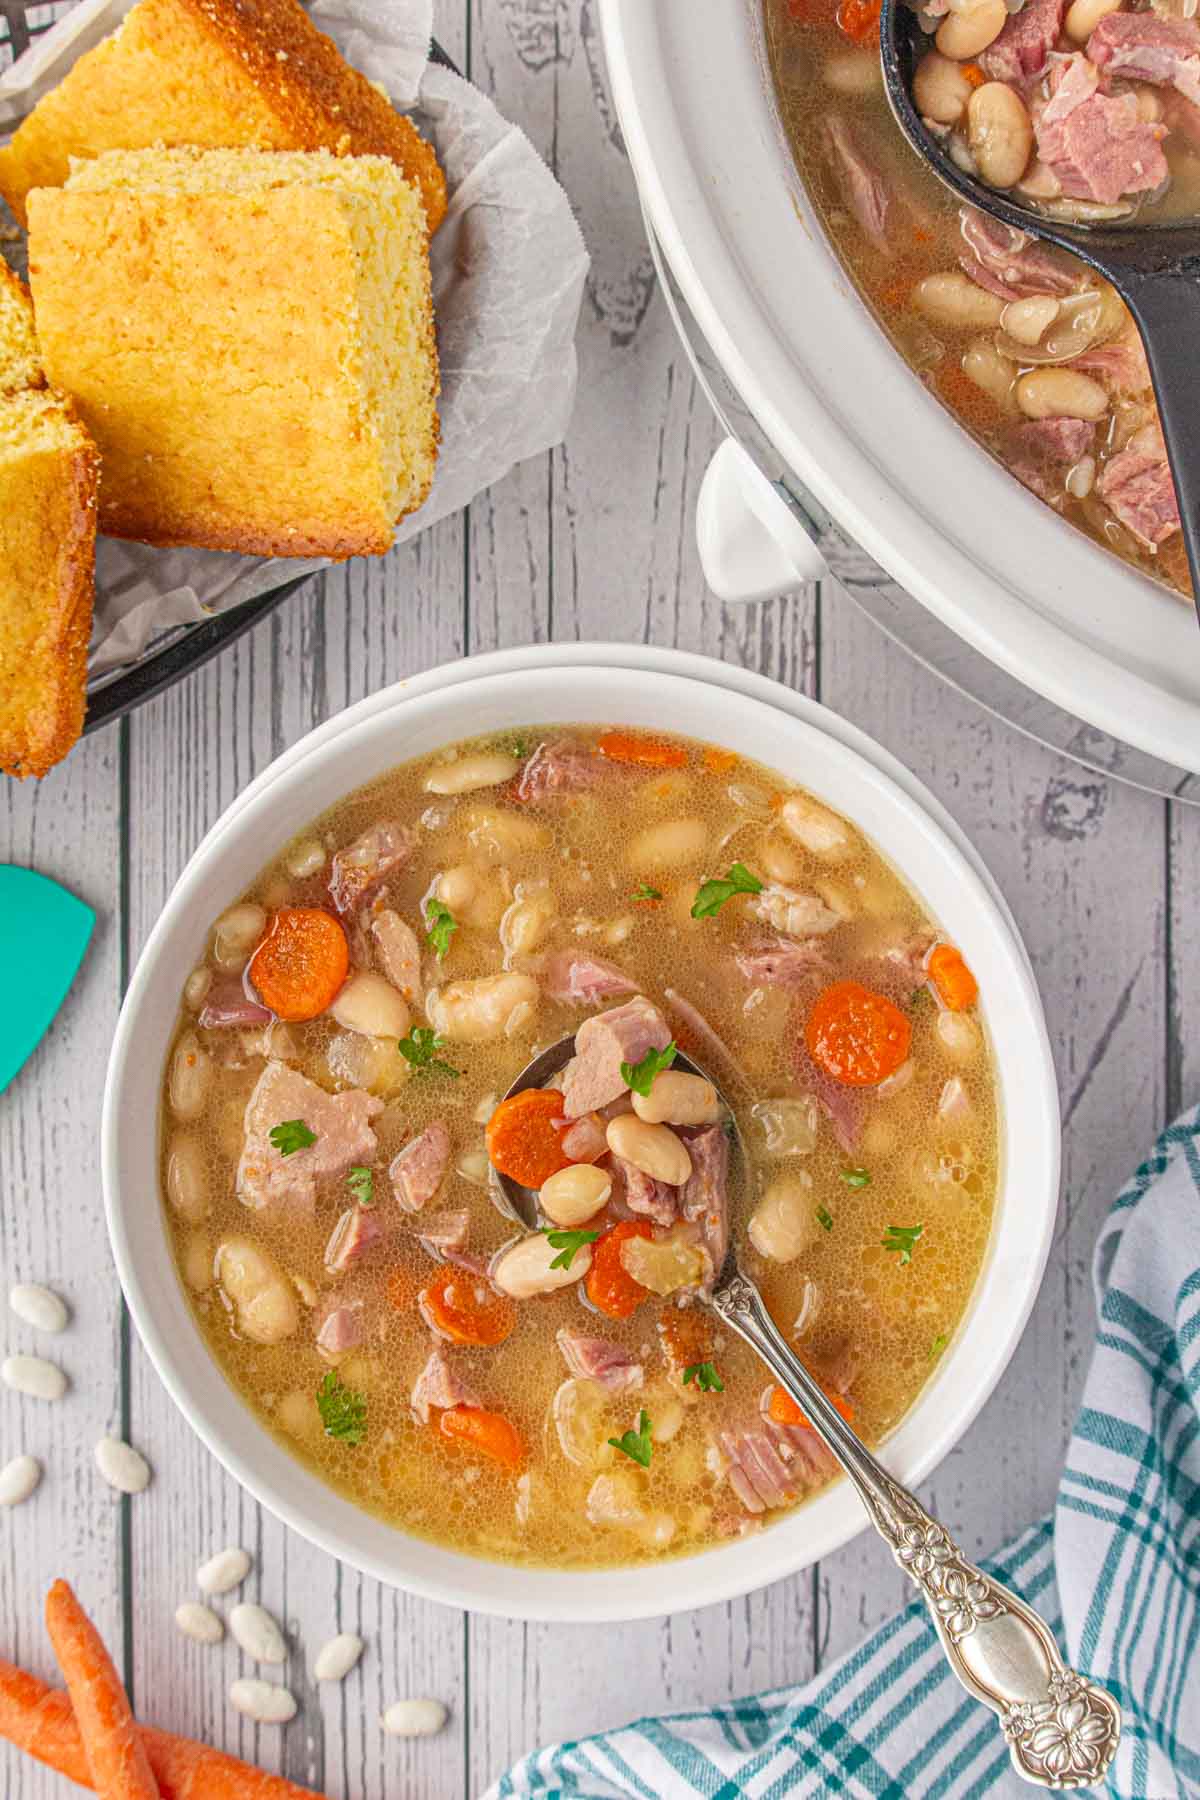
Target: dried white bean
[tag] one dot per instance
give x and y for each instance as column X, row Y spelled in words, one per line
column 676, row 1098
column 574, row 1195
column 527, row 920
column 952, row 300
column 187, row 1178
column 1083, row 16
column 198, row 1262
column 777, row 859
column 236, row 933
column 1029, row 320
column 854, row 72
column 307, row 859
column 414, row 1718
column 196, row 987
column 963, row 35
column 959, row 1035
column 223, row 1572
column 200, row 1623
column 337, row 1658
column 984, row 365
column 1000, row 133
column 1060, row 393
column 820, row 831
column 371, row 1006
column 668, row 845
column 262, row 1701
column 1082, row 478
column 525, row 1270
column 123, row 1467
column 478, row 1012
column 468, row 773
column 784, row 1222
column 255, row 1632
column 263, row 1297
column 654, row 1149
column 31, row 1375
column 38, row 1306
column 499, row 834
column 18, row 1479
column 191, row 1069
column 940, row 89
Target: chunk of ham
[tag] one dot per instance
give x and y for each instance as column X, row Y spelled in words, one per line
column 445, row 1232
column 554, row 769
column 438, row 1385
column 642, row 1195
column 1121, row 363
column 1136, row 485
column 584, row 980
column 358, row 1230
column 802, row 1452
column 704, row 1198
column 782, row 962
column 341, row 1122
column 1009, row 262
column 340, row 1326
column 624, row 1034
column 1040, row 449
column 227, row 1003
column 867, row 195
column 398, row 952
column 1142, row 47
column 755, row 1470
column 418, row 1170
column 361, row 869
column 595, row 1359
column 842, row 1106
column 1023, row 48
column 793, row 913
column 584, row 1140
column 1096, row 145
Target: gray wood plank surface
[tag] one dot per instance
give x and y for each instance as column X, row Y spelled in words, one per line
column 593, row 540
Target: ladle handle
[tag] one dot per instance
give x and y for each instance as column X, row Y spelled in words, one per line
column 1166, row 305
column 1062, row 1730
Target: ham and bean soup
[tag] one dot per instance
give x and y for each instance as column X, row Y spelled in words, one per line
column 332, row 1123
column 1088, row 109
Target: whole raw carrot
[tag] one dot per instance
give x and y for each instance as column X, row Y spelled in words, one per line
column 119, row 1766
column 39, row 1720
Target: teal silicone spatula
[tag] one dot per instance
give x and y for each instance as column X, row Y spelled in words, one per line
column 44, row 932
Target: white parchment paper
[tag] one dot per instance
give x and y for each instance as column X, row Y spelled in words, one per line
column 509, row 265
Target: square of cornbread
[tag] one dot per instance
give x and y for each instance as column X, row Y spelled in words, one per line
column 218, row 74
column 248, row 335
column 48, row 471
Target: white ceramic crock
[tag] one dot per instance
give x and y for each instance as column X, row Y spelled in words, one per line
column 860, row 433
column 405, row 724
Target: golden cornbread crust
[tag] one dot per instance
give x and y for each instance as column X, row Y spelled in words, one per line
column 216, row 74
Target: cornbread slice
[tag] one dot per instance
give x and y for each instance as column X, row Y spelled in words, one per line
column 249, row 337
column 48, row 470
column 218, row 74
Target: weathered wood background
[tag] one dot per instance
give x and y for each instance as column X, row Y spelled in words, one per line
column 592, row 541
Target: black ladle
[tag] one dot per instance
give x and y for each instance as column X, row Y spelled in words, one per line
column 1155, row 269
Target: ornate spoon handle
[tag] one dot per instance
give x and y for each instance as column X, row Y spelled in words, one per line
column 1062, row 1730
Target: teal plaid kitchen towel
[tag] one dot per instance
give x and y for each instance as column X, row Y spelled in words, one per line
column 1116, row 1572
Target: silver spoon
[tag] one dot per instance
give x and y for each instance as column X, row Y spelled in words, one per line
column 1155, row 269
column 1062, row 1730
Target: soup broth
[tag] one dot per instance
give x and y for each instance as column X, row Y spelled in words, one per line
column 338, row 1242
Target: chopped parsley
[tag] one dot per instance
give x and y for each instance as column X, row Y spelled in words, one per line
column 291, row 1135
column 343, row 1412
column 518, row 747
column 824, row 1218
column 568, row 1244
column 938, row 1345
column 441, row 925
column 361, row 1183
column 418, row 1048
column 902, row 1238
column 637, row 1445
column 856, row 1178
column 712, row 895
column 640, row 1075
column 706, row 1378
column 645, row 892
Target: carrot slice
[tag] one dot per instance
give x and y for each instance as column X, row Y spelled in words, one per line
column 524, row 1136
column 116, row 1757
column 971, row 72
column 856, row 1035
column 301, row 963
column 858, row 20
column 956, row 985
column 487, row 1432
column 783, row 1409
column 645, row 752
column 719, row 762
column 609, row 1285
column 463, row 1308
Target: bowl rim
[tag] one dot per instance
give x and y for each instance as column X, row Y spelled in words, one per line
column 285, row 1486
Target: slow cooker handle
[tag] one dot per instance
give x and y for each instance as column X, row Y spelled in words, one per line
column 752, row 543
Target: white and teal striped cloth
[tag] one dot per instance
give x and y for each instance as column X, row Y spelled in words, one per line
column 1116, row 1571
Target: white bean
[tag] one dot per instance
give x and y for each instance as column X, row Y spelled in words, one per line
column 940, row 89
column 965, row 34
column 667, row 846
column 526, row 922
column 200, row 1623
column 993, row 373
column 654, row 1149
column 783, row 1224
column 1029, row 320
column 187, row 1088
column 371, row 1006
column 31, row 1375
column 676, row 1098
column 952, row 300
column 236, row 933
column 336, row 1658
column 1061, row 393
column 467, row 773
column 306, row 859
column 959, row 1034
column 478, row 1012
column 855, row 72
column 256, row 1633
column 196, row 987
column 1000, row 133
column 18, row 1479
column 262, row 1701
column 223, row 1572
column 499, row 834
column 187, row 1178
column 820, row 831
column 414, row 1718
column 777, row 860
column 123, row 1467
column 1082, row 478
column 197, row 1262
column 1083, row 16
column 525, row 1270
column 264, row 1299
column 38, row 1307
column 574, row 1195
